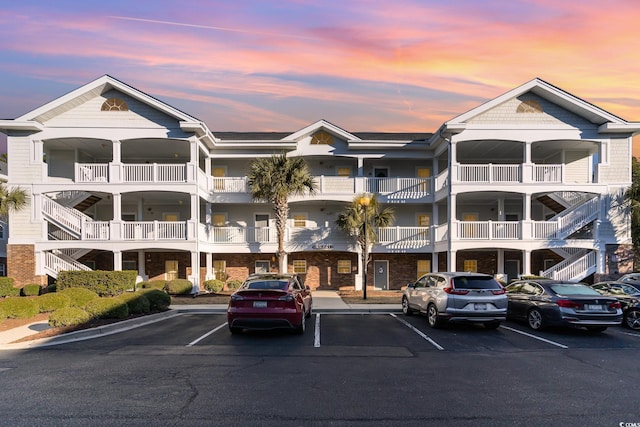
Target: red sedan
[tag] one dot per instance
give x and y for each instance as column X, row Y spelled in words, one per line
column 270, row 301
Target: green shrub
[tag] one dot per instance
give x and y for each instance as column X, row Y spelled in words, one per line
column 153, row 284
column 68, row 316
column 7, row 289
column 214, row 286
column 79, row 296
column 179, row 287
column 103, row 283
column 137, row 302
column 107, row 308
column 49, row 288
column 30, row 290
column 19, row 307
column 232, row 285
column 158, row 300
column 52, row 302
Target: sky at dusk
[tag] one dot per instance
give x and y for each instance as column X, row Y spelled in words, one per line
column 260, row 65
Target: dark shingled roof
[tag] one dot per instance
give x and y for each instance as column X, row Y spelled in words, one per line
column 271, row 136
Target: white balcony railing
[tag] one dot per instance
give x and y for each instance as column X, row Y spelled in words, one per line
column 154, row 230
column 547, row 173
column 489, row 173
column 129, row 172
column 488, row 230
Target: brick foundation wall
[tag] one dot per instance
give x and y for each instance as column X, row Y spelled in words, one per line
column 21, row 265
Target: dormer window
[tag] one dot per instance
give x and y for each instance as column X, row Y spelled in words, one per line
column 322, row 137
column 529, row 106
column 114, row 104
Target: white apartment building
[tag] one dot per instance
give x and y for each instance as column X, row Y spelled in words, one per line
column 531, row 182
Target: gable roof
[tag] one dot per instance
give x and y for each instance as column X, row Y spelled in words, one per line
column 549, row 92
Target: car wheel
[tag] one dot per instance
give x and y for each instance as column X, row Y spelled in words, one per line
column 235, row 330
column 596, row 329
column 302, row 326
column 432, row 316
column 405, row 307
column 632, row 319
column 492, row 325
column 534, row 318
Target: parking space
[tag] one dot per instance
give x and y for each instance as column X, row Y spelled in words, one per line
column 358, row 334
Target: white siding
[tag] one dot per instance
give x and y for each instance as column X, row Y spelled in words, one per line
column 577, row 169
column 89, row 114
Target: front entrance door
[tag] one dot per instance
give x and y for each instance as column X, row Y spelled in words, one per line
column 170, row 269
column 511, row 269
column 263, row 267
column 381, row 275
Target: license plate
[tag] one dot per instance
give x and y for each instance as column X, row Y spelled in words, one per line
column 479, row 306
column 595, row 307
column 259, row 304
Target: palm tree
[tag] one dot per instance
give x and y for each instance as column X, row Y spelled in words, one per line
column 11, row 200
column 633, row 197
column 274, row 180
column 361, row 219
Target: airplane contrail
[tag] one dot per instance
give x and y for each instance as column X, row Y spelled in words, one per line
column 208, row 27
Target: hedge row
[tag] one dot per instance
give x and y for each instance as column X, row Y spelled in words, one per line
column 73, row 306
column 103, row 283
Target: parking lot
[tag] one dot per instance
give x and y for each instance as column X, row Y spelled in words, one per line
column 361, row 334
column 347, row 369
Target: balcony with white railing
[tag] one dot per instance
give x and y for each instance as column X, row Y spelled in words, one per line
column 507, row 173
column 133, row 173
column 488, row 230
column 154, row 230
column 393, row 187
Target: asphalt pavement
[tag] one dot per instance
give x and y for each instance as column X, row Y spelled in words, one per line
column 323, row 302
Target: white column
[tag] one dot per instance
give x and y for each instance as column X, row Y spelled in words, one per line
column 358, row 277
column 451, row 260
column 117, row 260
column 526, row 268
column 209, row 266
column 195, row 272
column 117, row 151
column 434, row 262
column 117, row 207
column 141, row 266
column 500, row 261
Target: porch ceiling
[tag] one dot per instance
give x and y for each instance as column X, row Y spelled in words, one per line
column 506, row 150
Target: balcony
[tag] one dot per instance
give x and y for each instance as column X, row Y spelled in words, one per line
column 392, row 187
column 502, row 173
column 132, row 173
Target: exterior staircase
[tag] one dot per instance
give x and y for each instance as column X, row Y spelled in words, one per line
column 575, row 268
column 56, row 261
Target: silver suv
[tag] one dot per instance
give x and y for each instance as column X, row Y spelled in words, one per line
column 456, row 297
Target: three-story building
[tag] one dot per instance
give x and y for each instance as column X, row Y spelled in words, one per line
column 531, row 182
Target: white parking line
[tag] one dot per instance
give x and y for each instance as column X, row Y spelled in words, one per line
column 196, row 341
column 316, row 341
column 417, row 331
column 629, row 333
column 535, row 337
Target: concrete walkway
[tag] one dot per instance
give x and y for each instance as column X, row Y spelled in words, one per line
column 323, row 302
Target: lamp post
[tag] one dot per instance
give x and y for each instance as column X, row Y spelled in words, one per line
column 364, row 202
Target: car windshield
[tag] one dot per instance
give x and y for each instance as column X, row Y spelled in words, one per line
column 268, row 285
column 471, row 282
column 567, row 289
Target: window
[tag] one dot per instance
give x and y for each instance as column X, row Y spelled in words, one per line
column 114, row 104
column 299, row 266
column 218, row 173
column 322, row 138
column 219, row 269
column 344, row 266
column 470, row 266
column 170, row 269
column 219, row 220
column 130, row 265
column 299, row 220
column 3, row 270
column 424, row 220
column 424, row 267
column 343, row 171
